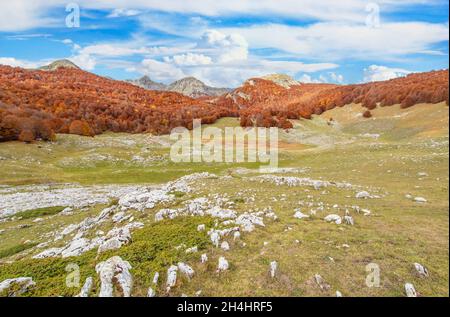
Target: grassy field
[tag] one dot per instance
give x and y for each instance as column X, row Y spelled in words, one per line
column 394, row 154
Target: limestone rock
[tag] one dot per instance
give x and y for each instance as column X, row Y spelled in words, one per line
column 24, row 283
column 114, row 270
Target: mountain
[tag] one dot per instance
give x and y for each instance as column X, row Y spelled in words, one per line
column 282, row 80
column 146, row 83
column 195, row 88
column 58, row 64
column 189, row 86
column 268, row 103
column 36, row 104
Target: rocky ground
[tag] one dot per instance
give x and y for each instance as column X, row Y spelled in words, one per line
column 347, row 204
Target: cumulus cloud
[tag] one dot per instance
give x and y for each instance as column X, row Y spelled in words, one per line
column 189, row 59
column 231, row 47
column 13, row 62
column 117, row 13
column 159, row 71
column 380, row 73
column 335, row 41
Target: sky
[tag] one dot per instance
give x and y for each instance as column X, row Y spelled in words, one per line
column 223, row 43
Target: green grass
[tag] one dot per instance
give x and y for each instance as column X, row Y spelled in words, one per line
column 40, row 212
column 153, row 250
column 15, row 249
column 398, row 233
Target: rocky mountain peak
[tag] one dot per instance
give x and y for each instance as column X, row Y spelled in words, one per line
column 59, row 64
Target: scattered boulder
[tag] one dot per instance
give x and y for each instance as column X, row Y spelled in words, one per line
column 273, row 268
column 155, row 278
column 363, row 195
column 333, row 218
column 16, row 286
column 115, row 239
column 410, row 290
column 299, row 215
column 171, row 277
column 423, row 271
column 349, row 220
column 223, row 264
column 204, row 258
column 151, row 292
column 87, row 287
column 186, row 270
column 420, row 200
column 114, row 270
column 225, row 246
column 324, row 286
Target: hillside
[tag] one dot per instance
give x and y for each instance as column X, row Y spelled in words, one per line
column 189, row 86
column 267, row 103
column 36, row 104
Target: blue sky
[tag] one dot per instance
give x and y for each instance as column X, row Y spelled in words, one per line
column 226, row 42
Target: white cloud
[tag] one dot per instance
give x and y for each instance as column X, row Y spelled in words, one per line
column 335, row 41
column 337, row 78
column 84, row 61
column 380, row 73
column 228, row 47
column 116, row 13
column 189, row 59
column 159, row 71
column 11, row 61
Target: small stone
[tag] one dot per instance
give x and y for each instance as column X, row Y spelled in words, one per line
column 186, row 270
column 273, row 268
column 151, row 292
column 171, row 276
column 201, row 228
column 87, row 287
column 423, row 272
column 223, row 264
column 25, row 284
column 204, row 258
column 155, row 278
column 321, row 283
column 225, row 246
column 410, row 290
column 363, row 195
column 420, row 200
column 334, row 218
column 349, row 220
column 338, row 294
column 114, row 270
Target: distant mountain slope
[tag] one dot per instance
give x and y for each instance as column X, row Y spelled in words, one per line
column 282, row 80
column 195, row 88
column 146, row 83
column 189, row 86
column 38, row 104
column 58, row 64
column 267, row 103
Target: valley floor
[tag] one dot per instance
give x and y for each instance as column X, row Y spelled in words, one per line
column 61, row 202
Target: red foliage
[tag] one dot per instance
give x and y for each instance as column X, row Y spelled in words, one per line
column 367, row 114
column 73, row 101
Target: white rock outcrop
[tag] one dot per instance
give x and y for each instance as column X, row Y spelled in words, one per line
column 410, row 290
column 186, row 270
column 223, row 264
column 114, row 270
column 273, row 268
column 21, row 285
column 87, row 287
column 421, row 270
column 333, row 218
